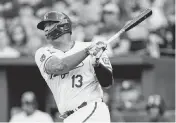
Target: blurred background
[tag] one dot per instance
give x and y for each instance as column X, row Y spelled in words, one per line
column 143, row 59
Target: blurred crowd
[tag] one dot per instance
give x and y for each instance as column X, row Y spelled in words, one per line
column 125, row 102
column 92, row 20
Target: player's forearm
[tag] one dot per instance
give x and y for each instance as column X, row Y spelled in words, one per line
column 61, row 66
column 104, row 75
column 74, row 60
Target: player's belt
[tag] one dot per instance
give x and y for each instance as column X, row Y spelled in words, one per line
column 68, row 113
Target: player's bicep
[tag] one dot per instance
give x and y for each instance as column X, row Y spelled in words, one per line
column 54, row 65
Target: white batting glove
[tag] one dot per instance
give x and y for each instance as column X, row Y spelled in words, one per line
column 97, row 48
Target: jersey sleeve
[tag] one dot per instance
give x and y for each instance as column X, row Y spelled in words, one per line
column 42, row 55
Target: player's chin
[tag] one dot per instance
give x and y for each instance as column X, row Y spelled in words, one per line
column 48, row 39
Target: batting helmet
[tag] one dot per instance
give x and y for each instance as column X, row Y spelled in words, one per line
column 156, row 101
column 63, row 25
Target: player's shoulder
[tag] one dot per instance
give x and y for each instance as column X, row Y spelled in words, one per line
column 41, row 50
column 41, row 54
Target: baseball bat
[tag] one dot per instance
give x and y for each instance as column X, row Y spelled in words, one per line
column 137, row 20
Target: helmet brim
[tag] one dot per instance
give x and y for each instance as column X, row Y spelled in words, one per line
column 41, row 25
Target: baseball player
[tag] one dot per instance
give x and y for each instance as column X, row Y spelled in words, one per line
column 73, row 71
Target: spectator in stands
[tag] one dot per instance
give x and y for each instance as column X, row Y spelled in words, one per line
column 15, row 110
column 34, row 39
column 5, row 50
column 156, row 109
column 157, row 26
column 34, row 42
column 111, row 23
column 61, row 6
column 25, row 12
column 88, row 10
column 90, row 30
column 116, row 114
column 18, row 38
column 77, row 33
column 30, row 112
column 169, row 10
column 110, row 20
column 25, row 44
column 130, row 96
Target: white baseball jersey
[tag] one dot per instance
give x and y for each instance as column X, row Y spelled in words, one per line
column 78, row 85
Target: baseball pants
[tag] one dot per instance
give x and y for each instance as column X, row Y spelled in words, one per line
column 95, row 111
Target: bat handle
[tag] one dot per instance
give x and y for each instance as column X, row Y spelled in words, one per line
column 116, row 36
column 109, row 41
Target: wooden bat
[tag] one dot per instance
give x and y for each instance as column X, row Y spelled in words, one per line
column 137, row 20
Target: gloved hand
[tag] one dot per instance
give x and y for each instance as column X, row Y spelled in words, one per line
column 97, row 48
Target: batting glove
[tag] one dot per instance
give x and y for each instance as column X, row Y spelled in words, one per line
column 97, row 48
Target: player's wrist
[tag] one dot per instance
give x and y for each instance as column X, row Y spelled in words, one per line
column 96, row 63
column 87, row 51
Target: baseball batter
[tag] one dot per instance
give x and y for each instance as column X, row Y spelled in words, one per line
column 72, row 72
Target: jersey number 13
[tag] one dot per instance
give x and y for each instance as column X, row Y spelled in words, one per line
column 77, row 81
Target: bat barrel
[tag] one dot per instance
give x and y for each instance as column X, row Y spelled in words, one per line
column 145, row 14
